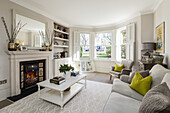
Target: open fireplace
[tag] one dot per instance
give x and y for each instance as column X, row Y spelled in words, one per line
column 31, row 72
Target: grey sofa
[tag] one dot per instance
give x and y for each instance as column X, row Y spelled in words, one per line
column 123, row 99
column 126, row 70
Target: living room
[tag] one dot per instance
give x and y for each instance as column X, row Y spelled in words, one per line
column 91, row 37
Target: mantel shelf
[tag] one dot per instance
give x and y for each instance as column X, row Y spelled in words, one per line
column 28, row 52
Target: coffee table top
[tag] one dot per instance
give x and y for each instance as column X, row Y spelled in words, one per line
column 68, row 83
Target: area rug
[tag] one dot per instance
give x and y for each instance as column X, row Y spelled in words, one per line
column 89, row 100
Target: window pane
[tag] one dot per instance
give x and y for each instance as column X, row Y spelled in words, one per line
column 103, row 39
column 84, row 51
column 124, row 36
column 88, row 66
column 123, row 51
column 103, row 51
column 84, row 39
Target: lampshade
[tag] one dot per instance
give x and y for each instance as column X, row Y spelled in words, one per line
column 150, row 46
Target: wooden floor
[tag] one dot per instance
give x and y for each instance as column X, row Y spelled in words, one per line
column 99, row 77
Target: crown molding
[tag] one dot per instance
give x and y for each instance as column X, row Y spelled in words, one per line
column 157, row 4
column 37, row 10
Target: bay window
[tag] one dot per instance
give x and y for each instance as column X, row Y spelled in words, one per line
column 103, row 45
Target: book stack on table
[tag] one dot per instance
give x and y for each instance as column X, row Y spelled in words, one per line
column 57, row 80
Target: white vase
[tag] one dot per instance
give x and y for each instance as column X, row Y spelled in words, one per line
column 67, row 75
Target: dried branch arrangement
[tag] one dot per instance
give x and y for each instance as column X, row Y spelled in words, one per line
column 15, row 31
column 48, row 37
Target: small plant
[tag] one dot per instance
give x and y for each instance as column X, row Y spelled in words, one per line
column 65, row 67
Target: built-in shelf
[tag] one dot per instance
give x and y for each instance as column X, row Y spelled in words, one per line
column 61, row 31
column 61, row 46
column 62, row 39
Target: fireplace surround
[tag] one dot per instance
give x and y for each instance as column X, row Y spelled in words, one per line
column 17, row 57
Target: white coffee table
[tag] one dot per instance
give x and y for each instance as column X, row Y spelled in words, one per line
column 55, row 93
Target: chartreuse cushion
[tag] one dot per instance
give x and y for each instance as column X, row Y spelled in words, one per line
column 118, row 68
column 140, row 84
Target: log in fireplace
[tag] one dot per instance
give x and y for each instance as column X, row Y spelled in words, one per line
column 31, row 72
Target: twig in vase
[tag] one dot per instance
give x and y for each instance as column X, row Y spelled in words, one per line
column 3, row 20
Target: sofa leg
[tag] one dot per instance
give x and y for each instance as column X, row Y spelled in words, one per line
column 110, row 77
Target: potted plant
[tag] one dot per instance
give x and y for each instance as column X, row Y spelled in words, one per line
column 15, row 31
column 65, row 68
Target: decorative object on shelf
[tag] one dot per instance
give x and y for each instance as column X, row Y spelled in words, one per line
column 17, row 44
column 59, row 55
column 65, row 68
column 147, row 50
column 15, row 31
column 48, row 39
column 64, row 43
column 160, row 37
column 158, row 59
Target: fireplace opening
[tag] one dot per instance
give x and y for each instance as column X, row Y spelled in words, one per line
column 31, row 72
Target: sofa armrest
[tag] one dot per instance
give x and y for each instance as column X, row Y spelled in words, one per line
column 113, row 68
column 125, row 71
column 124, row 78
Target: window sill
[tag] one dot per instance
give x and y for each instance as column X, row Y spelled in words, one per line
column 105, row 60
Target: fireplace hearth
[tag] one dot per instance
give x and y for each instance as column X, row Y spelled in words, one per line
column 31, row 72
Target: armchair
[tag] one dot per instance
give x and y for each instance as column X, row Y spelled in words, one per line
column 125, row 71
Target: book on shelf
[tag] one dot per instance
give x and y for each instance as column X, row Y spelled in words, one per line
column 57, row 80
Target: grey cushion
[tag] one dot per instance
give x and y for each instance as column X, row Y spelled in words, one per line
column 124, row 78
column 118, row 103
column 123, row 88
column 127, row 64
column 143, row 73
column 157, row 72
column 157, row 100
column 167, row 79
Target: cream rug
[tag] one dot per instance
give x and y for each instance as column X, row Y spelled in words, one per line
column 89, row 100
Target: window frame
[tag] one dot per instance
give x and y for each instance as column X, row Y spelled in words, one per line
column 90, row 44
column 94, row 46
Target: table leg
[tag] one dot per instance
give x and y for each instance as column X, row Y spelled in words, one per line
column 38, row 91
column 85, row 81
column 61, row 98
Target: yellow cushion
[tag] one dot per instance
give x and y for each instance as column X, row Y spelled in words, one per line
column 140, row 84
column 118, row 68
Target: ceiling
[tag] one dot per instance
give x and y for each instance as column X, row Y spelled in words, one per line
column 90, row 13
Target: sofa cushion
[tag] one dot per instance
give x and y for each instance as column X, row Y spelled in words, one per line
column 143, row 73
column 167, row 79
column 123, row 88
column 118, row 68
column 157, row 72
column 140, row 84
column 157, row 100
column 118, row 103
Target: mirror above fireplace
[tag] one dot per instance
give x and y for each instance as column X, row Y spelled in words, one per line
column 29, row 35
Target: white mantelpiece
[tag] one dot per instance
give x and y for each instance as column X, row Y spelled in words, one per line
column 15, row 57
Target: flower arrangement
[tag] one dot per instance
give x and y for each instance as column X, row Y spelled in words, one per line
column 15, row 31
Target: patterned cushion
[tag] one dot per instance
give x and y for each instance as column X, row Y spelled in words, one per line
column 157, row 100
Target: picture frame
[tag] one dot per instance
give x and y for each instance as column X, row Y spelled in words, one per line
column 160, row 38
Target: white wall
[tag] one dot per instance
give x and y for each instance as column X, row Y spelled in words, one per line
column 160, row 15
column 147, row 31
column 6, row 11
